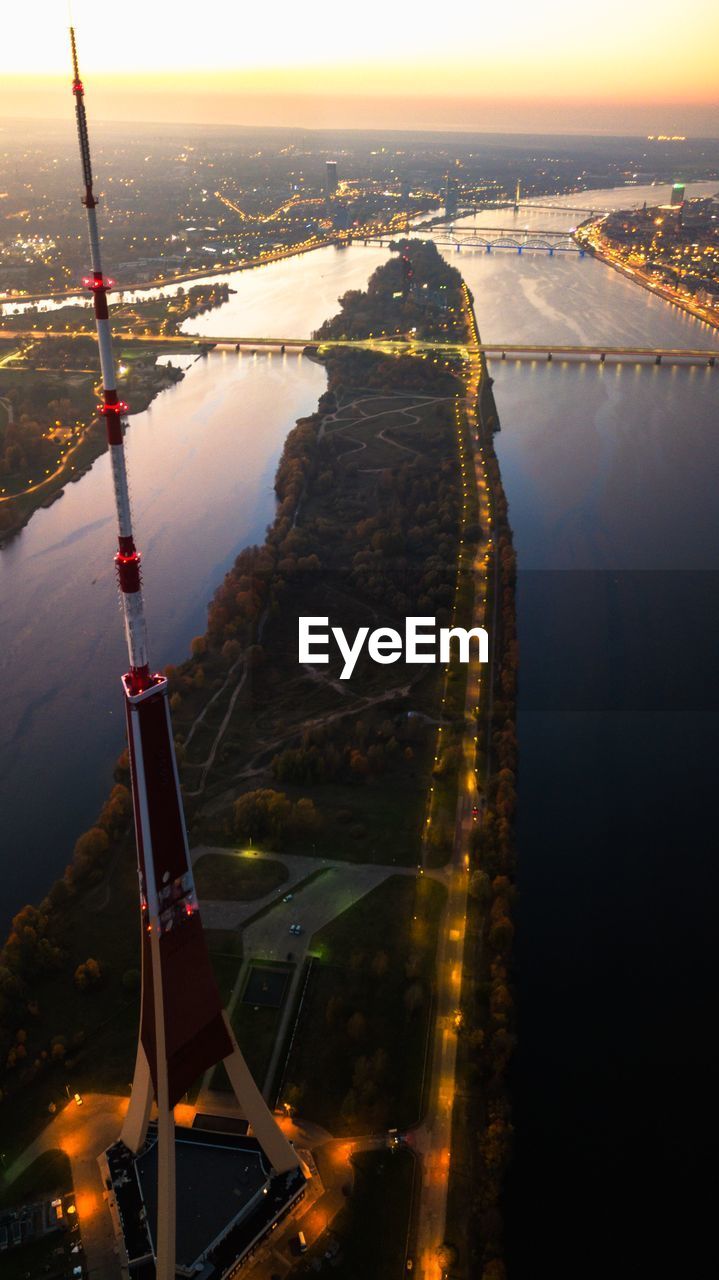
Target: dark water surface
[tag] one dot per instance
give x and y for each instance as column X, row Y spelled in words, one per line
column 611, row 476
column 202, row 462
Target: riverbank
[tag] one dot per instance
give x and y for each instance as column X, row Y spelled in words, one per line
column 383, row 425
column 145, row 382
column 482, row 1131
column 341, row 239
column 163, row 282
column 41, row 380
column 637, row 276
column 366, row 758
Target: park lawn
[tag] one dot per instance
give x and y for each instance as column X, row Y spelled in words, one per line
column 376, row 821
column 357, row 1063
column 237, row 877
column 372, row 1228
column 226, row 965
column 255, row 1027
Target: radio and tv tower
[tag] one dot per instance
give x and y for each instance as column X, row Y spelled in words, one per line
column 184, row 1030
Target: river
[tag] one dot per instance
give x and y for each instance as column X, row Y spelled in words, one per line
column 611, row 474
column 201, row 460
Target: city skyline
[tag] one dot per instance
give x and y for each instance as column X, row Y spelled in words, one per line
column 358, row 402
column 558, row 70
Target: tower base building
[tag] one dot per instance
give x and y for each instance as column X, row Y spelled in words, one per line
column 229, row 1200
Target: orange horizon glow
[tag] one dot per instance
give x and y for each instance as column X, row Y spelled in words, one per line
column 622, row 68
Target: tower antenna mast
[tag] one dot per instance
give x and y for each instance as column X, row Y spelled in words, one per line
column 184, row 1030
column 113, row 410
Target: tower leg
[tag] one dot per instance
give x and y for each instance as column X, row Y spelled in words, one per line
column 166, row 1198
column 166, row 1210
column 280, row 1153
column 134, row 1130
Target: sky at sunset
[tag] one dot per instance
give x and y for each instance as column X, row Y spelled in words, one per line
column 650, row 66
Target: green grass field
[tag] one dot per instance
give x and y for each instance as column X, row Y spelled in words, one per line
column 372, row 1229
column 359, row 1052
column 255, row 1027
column 237, row 877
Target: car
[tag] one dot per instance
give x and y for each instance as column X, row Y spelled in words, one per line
column 78, row 1099
column 475, row 813
column 410, row 1264
column 296, row 929
column 288, row 897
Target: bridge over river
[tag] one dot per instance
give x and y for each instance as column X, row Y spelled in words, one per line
column 389, row 346
column 488, row 238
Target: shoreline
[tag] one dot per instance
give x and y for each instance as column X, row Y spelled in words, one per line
column 161, row 374
column 340, row 239
column 483, row 936
column 108, row 871
column 635, row 276
column 162, row 282
column 482, row 1130
column 93, row 445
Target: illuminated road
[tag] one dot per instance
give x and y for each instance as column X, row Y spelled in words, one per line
column 387, row 345
column 63, row 466
column 83, row 1133
column 590, row 236
column 15, row 354
column 433, row 1139
column 396, row 226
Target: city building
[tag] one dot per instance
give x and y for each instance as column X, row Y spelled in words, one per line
column 450, row 198
column 229, row 1199
column 330, row 178
column 678, row 193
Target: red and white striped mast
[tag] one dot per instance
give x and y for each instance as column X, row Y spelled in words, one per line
column 183, row 1028
column 113, row 409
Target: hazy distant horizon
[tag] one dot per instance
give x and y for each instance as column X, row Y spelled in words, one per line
column 625, row 70
column 641, row 132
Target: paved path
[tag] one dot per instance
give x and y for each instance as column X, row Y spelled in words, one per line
column 433, row 1138
column 83, row 1133
column 314, row 905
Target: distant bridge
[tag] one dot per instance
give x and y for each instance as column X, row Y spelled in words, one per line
column 392, row 346
column 489, row 238
column 548, row 351
column 533, row 204
column 564, row 208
